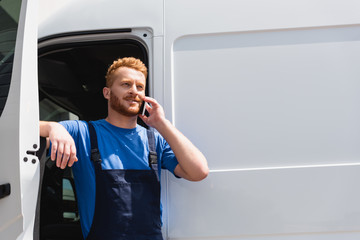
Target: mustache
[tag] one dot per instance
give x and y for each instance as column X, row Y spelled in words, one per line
column 136, row 99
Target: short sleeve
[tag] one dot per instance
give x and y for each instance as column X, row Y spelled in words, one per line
column 168, row 159
column 72, row 126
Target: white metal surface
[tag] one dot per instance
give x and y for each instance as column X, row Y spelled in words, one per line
column 269, row 91
column 312, row 203
column 82, row 15
column 29, row 117
column 19, row 132
column 274, row 98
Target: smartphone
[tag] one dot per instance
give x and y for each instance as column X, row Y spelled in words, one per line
column 143, row 108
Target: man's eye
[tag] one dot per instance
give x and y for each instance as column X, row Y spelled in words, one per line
column 140, row 87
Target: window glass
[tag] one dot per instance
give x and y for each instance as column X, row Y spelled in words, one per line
column 59, row 203
column 68, row 192
column 9, row 18
column 50, row 111
column 69, row 201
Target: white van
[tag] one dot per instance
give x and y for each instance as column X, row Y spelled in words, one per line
column 269, row 90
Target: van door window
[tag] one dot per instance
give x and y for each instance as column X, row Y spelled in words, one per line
column 70, row 212
column 59, row 216
column 9, row 18
column 50, row 111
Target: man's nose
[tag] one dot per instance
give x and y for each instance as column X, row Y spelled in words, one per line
column 133, row 89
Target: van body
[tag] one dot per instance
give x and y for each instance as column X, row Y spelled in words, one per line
column 267, row 89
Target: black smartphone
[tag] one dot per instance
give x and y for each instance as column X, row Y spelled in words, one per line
column 143, row 108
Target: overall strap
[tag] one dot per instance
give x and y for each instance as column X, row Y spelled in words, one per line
column 95, row 154
column 153, row 158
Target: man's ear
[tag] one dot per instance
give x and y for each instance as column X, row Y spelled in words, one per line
column 106, row 93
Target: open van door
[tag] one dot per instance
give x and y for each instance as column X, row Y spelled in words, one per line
column 19, row 133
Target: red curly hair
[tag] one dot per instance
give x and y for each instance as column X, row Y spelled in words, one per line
column 129, row 62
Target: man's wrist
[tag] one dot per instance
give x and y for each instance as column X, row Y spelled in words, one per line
column 45, row 128
column 163, row 126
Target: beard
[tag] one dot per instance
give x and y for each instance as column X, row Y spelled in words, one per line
column 117, row 105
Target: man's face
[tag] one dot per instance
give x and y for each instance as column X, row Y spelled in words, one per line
column 127, row 91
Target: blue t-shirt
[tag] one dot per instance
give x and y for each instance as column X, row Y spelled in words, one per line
column 119, row 148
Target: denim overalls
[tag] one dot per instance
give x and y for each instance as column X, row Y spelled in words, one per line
column 127, row 202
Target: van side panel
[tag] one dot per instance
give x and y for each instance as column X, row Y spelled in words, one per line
column 19, row 136
column 82, row 16
column 289, row 203
column 274, row 98
column 268, row 90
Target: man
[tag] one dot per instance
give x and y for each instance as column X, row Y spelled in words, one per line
column 117, row 174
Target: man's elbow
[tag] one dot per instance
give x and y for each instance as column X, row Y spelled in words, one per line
column 194, row 173
column 201, row 174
